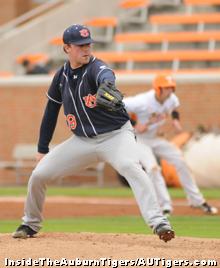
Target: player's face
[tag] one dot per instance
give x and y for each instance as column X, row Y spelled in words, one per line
column 78, row 55
column 165, row 93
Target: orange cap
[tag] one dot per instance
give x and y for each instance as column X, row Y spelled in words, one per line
column 161, row 81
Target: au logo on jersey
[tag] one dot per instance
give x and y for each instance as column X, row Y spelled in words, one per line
column 90, row 100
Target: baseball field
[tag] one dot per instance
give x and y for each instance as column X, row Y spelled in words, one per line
column 94, row 223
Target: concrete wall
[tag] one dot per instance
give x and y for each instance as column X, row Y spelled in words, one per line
column 13, row 8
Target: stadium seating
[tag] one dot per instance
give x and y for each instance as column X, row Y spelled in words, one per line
column 102, row 30
column 129, row 58
column 199, row 19
column 33, row 58
column 180, row 51
column 134, row 11
column 201, row 2
column 192, row 5
column 103, row 24
column 197, row 71
column 164, row 38
column 130, row 4
column 56, row 41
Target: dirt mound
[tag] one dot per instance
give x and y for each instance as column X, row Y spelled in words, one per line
column 84, row 246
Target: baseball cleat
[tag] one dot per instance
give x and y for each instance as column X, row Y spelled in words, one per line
column 164, row 232
column 23, row 232
column 209, row 209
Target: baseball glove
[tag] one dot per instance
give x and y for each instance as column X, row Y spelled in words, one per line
column 109, row 97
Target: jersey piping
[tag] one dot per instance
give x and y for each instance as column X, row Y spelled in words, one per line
column 53, row 99
column 75, row 105
column 100, row 73
column 84, row 106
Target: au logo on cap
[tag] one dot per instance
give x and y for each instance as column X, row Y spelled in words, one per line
column 84, row 33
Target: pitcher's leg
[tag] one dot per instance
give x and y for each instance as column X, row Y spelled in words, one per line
column 122, row 153
column 161, row 190
column 62, row 161
column 149, row 162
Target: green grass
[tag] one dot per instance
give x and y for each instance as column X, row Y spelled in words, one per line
column 204, row 227
column 100, row 192
column 72, row 191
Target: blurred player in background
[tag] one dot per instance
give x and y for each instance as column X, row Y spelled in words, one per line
column 152, row 108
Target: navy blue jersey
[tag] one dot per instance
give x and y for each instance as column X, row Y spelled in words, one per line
column 76, row 90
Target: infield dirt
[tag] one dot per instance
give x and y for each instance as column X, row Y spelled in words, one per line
column 114, row 246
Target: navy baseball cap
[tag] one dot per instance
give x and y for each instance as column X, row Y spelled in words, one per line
column 77, row 34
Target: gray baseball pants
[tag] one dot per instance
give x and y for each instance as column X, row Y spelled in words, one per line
column 150, row 164
column 118, row 148
column 166, row 150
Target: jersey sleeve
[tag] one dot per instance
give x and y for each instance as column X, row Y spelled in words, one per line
column 99, row 72
column 132, row 104
column 173, row 104
column 176, row 102
column 48, row 125
column 54, row 93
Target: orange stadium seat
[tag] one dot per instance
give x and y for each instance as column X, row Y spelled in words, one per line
column 33, row 58
column 56, row 41
column 108, row 24
column 185, row 19
column 201, row 2
column 134, row 11
column 190, row 4
column 148, row 56
column 127, row 4
column 200, row 19
column 102, row 22
column 168, row 37
column 168, row 71
column 129, row 58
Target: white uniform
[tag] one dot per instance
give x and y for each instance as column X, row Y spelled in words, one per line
column 148, row 109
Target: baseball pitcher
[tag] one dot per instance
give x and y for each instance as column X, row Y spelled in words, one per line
column 94, row 111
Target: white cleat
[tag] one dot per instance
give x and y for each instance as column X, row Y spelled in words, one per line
column 209, row 209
